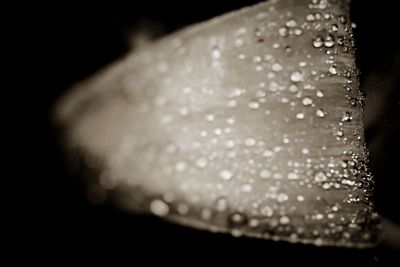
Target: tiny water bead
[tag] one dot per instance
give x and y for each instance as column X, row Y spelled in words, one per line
column 346, row 116
column 318, row 42
column 284, row 220
column 329, row 41
column 201, row 162
column 333, row 70
column 300, row 116
column 307, row 101
column 320, row 113
column 291, row 23
column 221, row 204
column 225, row 174
column 254, row 105
column 297, row 77
column 265, row 174
column 216, row 53
column 266, row 211
column 159, row 208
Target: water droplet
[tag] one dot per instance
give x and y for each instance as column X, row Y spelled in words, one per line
column 221, row 204
column 268, row 153
column 333, row 70
column 254, row 105
column 293, row 88
column 320, row 93
column 292, row 176
column 334, row 27
column 282, row 197
column 284, row 220
column 300, row 116
column 159, row 207
column 230, row 144
column 329, row 41
column 254, row 222
column 216, row 53
column 300, row 198
column 318, row 42
column 237, row 218
column 291, row 23
column 297, row 31
column 320, row 177
column 225, row 174
column 201, row 162
column 346, row 116
column 247, row 188
column 210, row 117
column 320, row 113
column 307, row 101
column 265, row 174
column 180, row 166
column 183, row 208
column 305, row 151
column 339, row 133
column 206, row 214
column 297, row 77
column 232, row 103
column 276, row 67
column 310, row 17
column 249, row 141
column 266, row 211
column 283, row 31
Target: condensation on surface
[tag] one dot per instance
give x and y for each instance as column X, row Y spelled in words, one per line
column 250, row 123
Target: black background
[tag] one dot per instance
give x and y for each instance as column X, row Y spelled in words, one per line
column 68, row 41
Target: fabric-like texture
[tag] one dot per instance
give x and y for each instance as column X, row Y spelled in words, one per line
column 250, row 123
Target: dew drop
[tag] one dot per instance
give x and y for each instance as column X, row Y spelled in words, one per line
column 249, row 141
column 201, row 162
column 300, row 198
column 307, row 101
column 237, row 218
column 254, row 105
column 320, row 177
column 230, row 144
column 292, row 176
column 318, row 42
column 265, row 174
column 320, row 113
column 247, row 188
column 159, row 207
column 329, row 41
column 339, row 133
column 266, row 211
column 216, row 53
column 310, row 17
column 225, row 174
column 284, row 220
column 320, row 93
column 346, row 116
column 333, row 70
column 210, row 117
column 268, row 153
column 297, row 77
column 293, row 88
column 283, row 31
column 276, row 67
column 282, row 197
column 221, row 204
column 291, row 23
column 300, row 116
column 180, row 166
